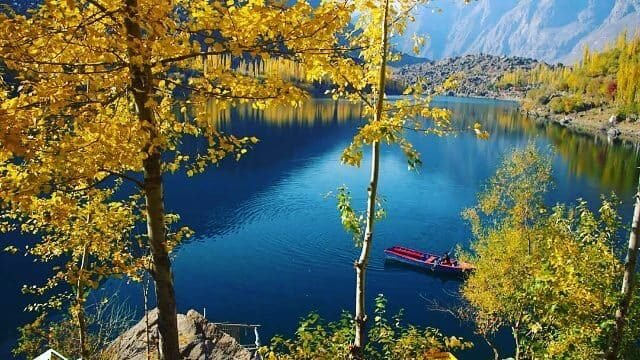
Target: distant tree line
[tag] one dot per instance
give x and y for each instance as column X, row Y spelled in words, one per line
column 607, row 78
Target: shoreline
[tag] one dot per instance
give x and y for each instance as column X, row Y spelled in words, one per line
column 593, row 122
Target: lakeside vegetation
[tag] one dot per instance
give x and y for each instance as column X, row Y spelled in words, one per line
column 548, row 274
column 609, row 78
column 388, row 338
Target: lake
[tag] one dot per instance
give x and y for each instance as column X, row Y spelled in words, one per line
column 269, row 247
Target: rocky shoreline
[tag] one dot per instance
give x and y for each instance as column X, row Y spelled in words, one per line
column 596, row 122
column 481, row 72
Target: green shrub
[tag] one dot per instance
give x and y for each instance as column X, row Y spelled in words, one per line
column 387, row 338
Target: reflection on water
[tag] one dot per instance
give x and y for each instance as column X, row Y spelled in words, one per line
column 611, row 165
column 310, row 113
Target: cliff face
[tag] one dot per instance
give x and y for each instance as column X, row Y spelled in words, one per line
column 548, row 30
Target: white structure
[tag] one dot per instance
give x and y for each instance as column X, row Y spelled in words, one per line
column 50, row 355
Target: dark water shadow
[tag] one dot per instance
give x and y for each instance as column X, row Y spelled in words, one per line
column 392, row 265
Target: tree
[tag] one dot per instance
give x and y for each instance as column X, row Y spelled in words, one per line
column 612, row 88
column 91, row 237
column 515, row 193
column 628, row 284
column 608, row 77
column 111, row 90
column 552, row 282
column 365, row 81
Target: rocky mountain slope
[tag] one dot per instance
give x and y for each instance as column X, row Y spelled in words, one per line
column 479, row 73
column 548, row 30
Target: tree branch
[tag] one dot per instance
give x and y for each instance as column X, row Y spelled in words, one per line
column 124, row 176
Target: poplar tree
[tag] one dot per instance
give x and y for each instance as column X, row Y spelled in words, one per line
column 363, row 80
column 110, row 90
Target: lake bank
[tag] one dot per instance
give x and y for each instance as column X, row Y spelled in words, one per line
column 479, row 76
column 594, row 122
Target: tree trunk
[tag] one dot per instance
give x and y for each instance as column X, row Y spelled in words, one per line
column 145, row 293
column 516, row 339
column 628, row 284
column 161, row 268
column 515, row 329
column 361, row 264
column 82, row 323
column 496, row 354
column 82, row 329
column 142, row 89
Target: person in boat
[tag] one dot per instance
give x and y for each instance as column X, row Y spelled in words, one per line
column 446, row 259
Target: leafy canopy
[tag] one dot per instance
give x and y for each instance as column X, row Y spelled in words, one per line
column 74, row 130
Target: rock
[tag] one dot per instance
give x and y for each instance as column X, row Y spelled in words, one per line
column 480, row 71
column 199, row 340
column 613, row 133
column 613, row 119
column 566, row 121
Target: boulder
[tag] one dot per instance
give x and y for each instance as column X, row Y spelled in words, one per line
column 613, row 133
column 199, row 340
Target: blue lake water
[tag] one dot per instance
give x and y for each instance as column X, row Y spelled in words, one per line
column 269, row 247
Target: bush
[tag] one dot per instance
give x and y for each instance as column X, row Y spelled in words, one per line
column 388, row 339
column 556, row 105
column 629, row 112
column 106, row 319
column 569, row 104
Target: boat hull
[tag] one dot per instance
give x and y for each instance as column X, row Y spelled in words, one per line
column 426, row 261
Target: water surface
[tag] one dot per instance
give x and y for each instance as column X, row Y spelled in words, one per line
column 269, row 247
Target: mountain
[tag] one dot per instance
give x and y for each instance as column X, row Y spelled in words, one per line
column 548, row 30
column 479, row 73
column 406, row 59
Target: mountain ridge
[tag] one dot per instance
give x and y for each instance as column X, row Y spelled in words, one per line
column 548, row 30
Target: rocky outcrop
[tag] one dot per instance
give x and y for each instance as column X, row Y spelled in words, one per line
column 199, row 340
column 479, row 72
column 613, row 133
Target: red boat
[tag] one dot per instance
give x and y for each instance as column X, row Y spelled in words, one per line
column 427, row 261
